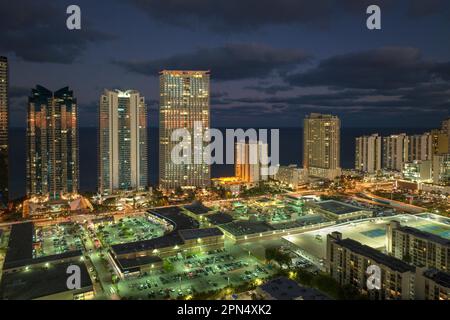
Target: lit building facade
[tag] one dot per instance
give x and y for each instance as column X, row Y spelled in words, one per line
column 419, row 248
column 291, row 175
column 122, row 142
column 184, row 102
column 4, row 124
column 368, row 153
column 418, row 171
column 251, row 161
column 420, row 147
column 441, row 169
column 347, row 262
column 52, row 143
column 440, row 142
column 395, row 152
column 321, row 145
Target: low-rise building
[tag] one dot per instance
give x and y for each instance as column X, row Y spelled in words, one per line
column 291, row 175
column 339, row 210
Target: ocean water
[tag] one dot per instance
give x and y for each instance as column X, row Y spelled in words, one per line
column 291, row 145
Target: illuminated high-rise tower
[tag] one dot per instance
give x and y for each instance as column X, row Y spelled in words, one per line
column 321, row 145
column 122, row 141
column 52, row 143
column 368, row 153
column 251, row 160
column 4, row 124
column 184, row 101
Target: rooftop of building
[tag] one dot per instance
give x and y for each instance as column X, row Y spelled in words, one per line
column 242, row 228
column 172, row 214
column 20, row 248
column 184, row 72
column 134, row 264
column 337, row 207
column 425, row 235
column 40, row 282
column 220, row 218
column 190, row 234
column 375, row 255
column 440, row 277
column 197, row 208
column 286, row 289
column 20, row 245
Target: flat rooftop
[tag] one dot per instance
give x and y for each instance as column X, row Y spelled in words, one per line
column 173, row 215
column 286, row 289
column 220, row 218
column 374, row 254
column 20, row 245
column 241, row 228
column 337, row 207
column 176, row 216
column 40, row 282
column 20, row 248
column 134, row 264
column 425, row 235
column 190, row 234
column 197, row 208
column 441, row 278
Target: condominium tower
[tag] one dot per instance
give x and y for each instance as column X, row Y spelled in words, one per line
column 122, row 141
column 395, row 151
column 52, row 143
column 251, row 161
column 417, row 247
column 4, row 124
column 368, row 153
column 321, row 146
column 184, row 103
column 347, row 261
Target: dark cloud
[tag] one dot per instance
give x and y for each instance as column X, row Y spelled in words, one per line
column 424, row 98
column 272, row 89
column 229, row 62
column 384, row 68
column 421, row 8
column 226, row 16
column 235, row 15
column 36, row 31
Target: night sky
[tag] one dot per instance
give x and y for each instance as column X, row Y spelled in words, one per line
column 271, row 61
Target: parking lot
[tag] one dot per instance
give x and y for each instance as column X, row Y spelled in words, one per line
column 129, row 229
column 56, row 239
column 195, row 274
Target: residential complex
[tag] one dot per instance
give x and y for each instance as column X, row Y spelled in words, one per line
column 122, row 142
column 368, row 153
column 395, row 151
column 52, row 143
column 348, row 261
column 417, row 247
column 321, row 145
column 184, row 104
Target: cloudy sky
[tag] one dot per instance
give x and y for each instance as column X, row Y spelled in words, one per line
column 271, row 62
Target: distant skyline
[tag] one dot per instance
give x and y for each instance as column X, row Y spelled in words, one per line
column 267, row 69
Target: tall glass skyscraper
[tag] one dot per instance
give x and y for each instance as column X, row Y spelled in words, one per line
column 52, row 143
column 4, row 124
column 122, row 142
column 184, row 101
